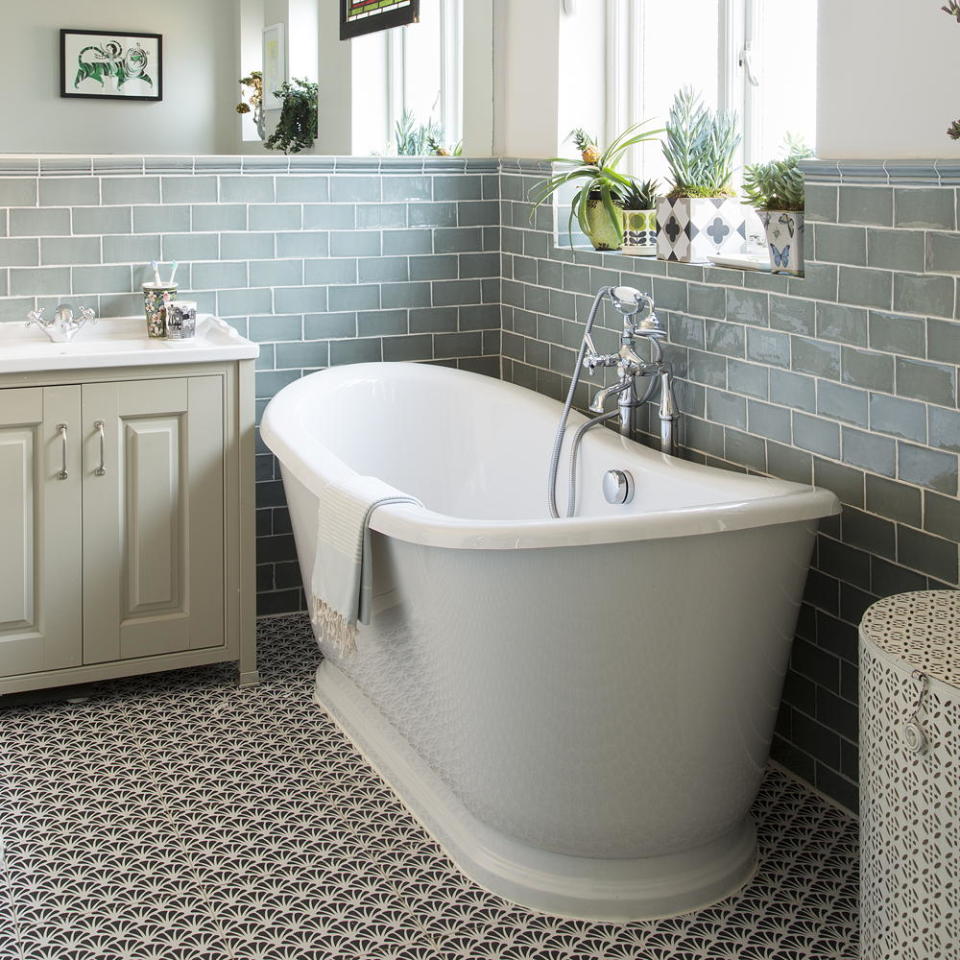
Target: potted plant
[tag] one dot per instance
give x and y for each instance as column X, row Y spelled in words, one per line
column 775, row 189
column 297, row 128
column 639, row 202
column 598, row 201
column 700, row 216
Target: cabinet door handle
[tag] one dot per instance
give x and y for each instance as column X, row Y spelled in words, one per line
column 102, row 469
column 62, row 432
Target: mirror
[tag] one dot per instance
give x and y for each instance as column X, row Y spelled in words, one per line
column 397, row 91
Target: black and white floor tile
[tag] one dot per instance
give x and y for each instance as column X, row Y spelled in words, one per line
column 177, row 817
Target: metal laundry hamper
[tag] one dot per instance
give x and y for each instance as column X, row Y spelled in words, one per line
column 910, row 777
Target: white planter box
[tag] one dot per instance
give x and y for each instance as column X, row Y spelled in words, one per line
column 692, row 229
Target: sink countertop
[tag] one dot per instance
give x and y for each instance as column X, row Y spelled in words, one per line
column 120, row 342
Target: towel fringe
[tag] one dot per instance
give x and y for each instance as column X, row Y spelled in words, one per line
column 335, row 628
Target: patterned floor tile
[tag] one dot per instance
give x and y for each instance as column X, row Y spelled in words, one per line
column 178, row 817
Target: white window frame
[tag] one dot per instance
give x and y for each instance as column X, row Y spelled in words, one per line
column 737, row 87
column 451, row 72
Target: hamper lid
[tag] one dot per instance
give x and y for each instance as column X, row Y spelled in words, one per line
column 921, row 628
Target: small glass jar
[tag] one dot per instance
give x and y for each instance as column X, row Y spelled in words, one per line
column 181, row 319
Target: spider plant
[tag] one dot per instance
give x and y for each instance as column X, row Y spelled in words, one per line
column 599, row 183
column 700, row 147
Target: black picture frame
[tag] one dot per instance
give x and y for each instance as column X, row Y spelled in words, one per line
column 382, row 21
column 155, row 97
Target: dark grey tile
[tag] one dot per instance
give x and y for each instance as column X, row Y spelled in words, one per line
column 768, row 346
column 769, row 421
column 869, row 451
column 815, row 357
column 943, row 340
column 902, row 418
column 793, row 390
column 726, row 408
column 748, row 306
column 931, row 555
column 793, row 315
column 842, row 403
column 944, row 429
column 355, row 351
column 923, row 294
column 821, row 202
column 749, row 378
column 897, row 334
column 706, row 301
column 840, row 244
column 896, row 249
column 941, row 515
column 931, row 469
column 405, row 295
column 366, row 297
column 927, row 208
column 866, row 205
column 844, row 324
column 867, row 288
column 725, row 338
column 943, row 253
column 933, row 382
column 846, row 482
column 896, row 501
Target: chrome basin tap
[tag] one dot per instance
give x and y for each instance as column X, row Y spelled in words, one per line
column 63, row 326
column 639, row 323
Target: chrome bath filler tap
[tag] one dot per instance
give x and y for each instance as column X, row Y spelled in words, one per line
column 639, row 323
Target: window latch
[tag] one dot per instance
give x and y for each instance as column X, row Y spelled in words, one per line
column 746, row 61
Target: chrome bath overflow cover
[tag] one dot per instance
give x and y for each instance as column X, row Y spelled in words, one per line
column 617, row 486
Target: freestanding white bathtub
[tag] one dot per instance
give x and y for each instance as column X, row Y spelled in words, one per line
column 578, row 710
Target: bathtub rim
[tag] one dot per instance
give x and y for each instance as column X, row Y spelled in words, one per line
column 594, row 889
column 316, row 467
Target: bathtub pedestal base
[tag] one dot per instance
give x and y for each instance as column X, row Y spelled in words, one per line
column 580, row 887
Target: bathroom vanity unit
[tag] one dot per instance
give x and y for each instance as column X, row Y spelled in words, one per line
column 126, row 503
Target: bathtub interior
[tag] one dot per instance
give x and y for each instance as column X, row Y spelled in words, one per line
column 470, row 447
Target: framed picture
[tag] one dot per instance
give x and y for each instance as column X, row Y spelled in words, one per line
column 111, row 65
column 358, row 17
column 274, row 65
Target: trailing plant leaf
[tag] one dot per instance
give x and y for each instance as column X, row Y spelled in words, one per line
column 953, row 131
column 297, row 128
column 777, row 184
column 596, row 180
column 700, row 147
column 953, row 8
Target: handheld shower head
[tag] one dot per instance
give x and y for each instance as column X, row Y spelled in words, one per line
column 627, row 300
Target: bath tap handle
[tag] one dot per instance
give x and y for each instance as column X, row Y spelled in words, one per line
column 594, row 360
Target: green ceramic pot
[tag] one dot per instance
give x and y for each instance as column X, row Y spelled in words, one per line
column 599, row 228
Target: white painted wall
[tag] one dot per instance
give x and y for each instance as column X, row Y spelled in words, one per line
column 527, row 77
column 889, row 79
column 200, row 77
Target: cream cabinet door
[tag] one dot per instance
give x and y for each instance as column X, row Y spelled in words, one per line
column 153, row 517
column 40, row 529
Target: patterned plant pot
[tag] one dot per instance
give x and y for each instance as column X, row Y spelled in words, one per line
column 784, row 240
column 640, row 233
column 599, row 228
column 156, row 296
column 694, row 228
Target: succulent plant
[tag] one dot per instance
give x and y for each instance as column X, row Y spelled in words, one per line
column 640, row 195
column 777, row 184
column 700, row 147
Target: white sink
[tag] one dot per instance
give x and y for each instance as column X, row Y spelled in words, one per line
column 121, row 342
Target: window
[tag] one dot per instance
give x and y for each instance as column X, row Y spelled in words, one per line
column 414, row 70
column 755, row 57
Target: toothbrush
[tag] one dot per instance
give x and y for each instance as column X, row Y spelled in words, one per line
column 173, row 272
column 156, row 271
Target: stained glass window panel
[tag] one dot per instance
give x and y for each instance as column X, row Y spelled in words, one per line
column 358, row 17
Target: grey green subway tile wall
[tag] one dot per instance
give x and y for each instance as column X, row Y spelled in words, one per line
column 846, row 377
